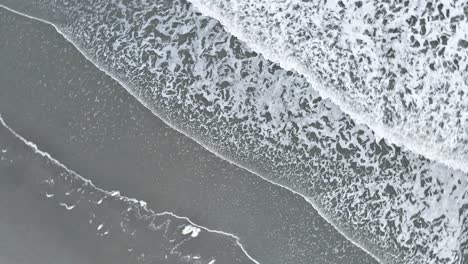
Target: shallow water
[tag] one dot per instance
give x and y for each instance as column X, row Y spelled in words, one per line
column 53, row 96
column 65, row 218
column 200, row 79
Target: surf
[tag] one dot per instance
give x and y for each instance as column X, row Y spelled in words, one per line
column 205, row 83
column 398, row 67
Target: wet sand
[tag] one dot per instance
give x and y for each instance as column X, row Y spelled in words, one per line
column 53, row 96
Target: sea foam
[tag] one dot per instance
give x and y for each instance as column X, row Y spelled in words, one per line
column 203, row 81
column 398, row 66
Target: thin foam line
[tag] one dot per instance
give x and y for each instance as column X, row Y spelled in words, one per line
column 143, row 204
column 194, row 138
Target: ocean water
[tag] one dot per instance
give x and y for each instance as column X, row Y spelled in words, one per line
column 53, row 96
column 191, row 72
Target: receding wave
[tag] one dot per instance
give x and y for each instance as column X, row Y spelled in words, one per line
column 398, row 66
column 188, row 70
column 150, row 237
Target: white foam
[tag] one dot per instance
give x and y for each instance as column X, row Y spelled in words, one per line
column 424, row 111
column 66, row 206
column 192, row 230
column 271, row 122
